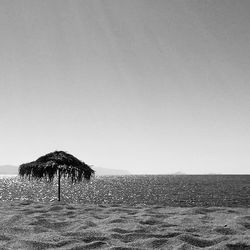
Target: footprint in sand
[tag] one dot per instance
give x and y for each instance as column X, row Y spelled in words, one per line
column 90, row 223
column 191, row 230
column 199, row 242
column 56, row 208
column 130, row 237
column 238, row 246
column 225, row 230
column 11, row 219
column 119, row 230
column 70, row 214
column 4, row 238
column 95, row 245
column 203, row 210
column 244, row 221
column 117, row 221
column 158, row 243
column 150, row 222
column 90, row 239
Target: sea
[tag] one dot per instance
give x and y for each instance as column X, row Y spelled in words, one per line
column 162, row 190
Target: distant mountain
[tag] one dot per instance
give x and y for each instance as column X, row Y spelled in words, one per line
column 108, row 171
column 178, row 173
column 8, row 170
column 13, row 170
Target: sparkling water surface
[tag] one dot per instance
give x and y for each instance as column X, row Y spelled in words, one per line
column 183, row 190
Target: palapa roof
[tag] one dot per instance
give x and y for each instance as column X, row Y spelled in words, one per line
column 47, row 167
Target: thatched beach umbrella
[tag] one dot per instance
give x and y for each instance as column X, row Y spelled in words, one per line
column 58, row 163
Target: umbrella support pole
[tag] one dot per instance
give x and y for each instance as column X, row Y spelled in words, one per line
column 59, row 185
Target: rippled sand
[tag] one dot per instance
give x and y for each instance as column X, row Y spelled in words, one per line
column 29, row 225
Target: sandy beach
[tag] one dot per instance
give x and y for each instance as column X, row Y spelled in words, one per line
column 33, row 225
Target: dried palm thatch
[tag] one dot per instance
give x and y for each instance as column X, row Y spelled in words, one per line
column 58, row 163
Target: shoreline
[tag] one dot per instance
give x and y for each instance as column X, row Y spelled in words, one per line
column 60, row 225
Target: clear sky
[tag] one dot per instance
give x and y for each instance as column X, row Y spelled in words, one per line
column 153, row 86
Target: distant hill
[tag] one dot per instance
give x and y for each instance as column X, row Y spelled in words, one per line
column 108, row 171
column 13, row 170
column 8, row 170
column 178, row 173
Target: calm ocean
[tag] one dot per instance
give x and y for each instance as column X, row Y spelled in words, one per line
column 182, row 190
